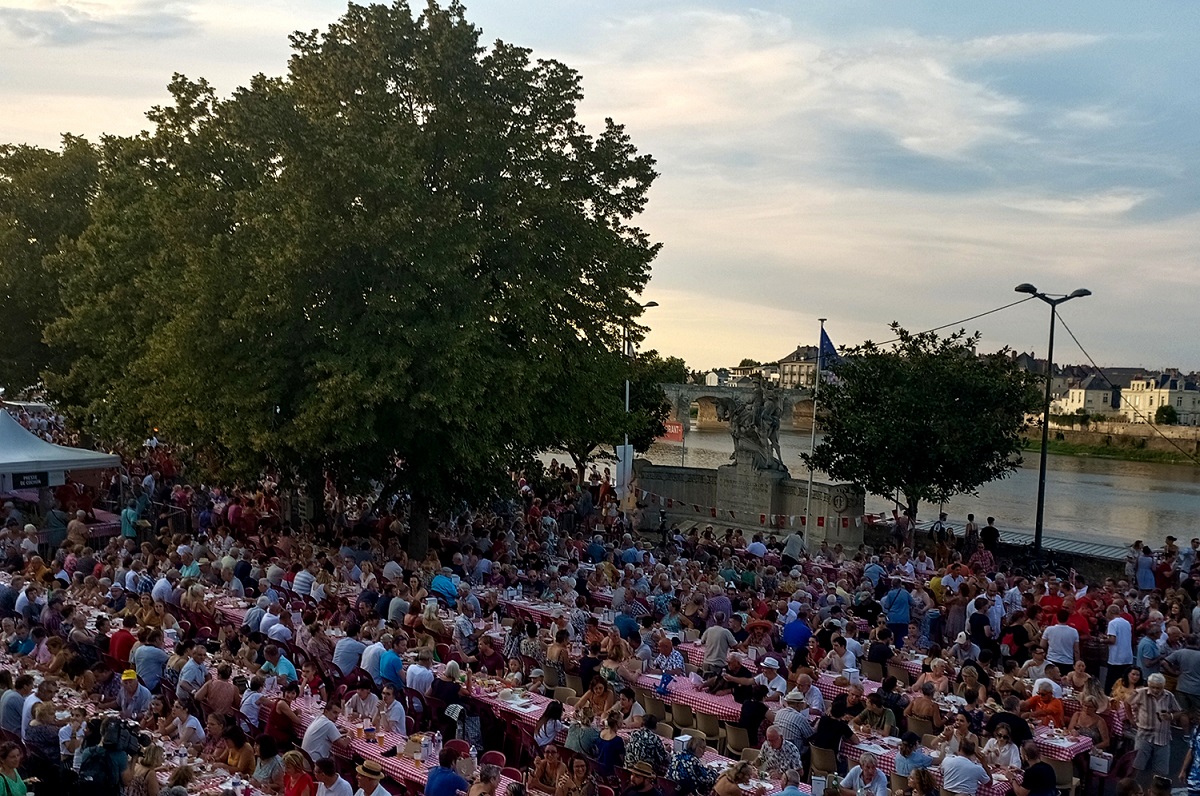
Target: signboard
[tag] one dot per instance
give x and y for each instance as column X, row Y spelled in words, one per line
column 674, row 431
column 30, row 480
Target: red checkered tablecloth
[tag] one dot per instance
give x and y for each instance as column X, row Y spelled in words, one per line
column 681, row 690
column 1062, row 749
column 886, row 760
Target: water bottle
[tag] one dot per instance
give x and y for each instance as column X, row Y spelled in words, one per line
column 237, row 785
column 474, row 759
column 426, row 748
column 437, row 745
column 1050, row 726
column 495, row 622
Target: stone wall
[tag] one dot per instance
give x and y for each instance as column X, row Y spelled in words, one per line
column 837, row 509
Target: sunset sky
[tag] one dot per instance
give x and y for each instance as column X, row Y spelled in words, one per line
column 859, row 161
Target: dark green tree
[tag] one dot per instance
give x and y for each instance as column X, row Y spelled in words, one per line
column 44, row 205
column 927, row 417
column 1165, row 415
column 376, row 267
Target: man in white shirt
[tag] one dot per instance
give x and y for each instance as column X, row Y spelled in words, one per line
column 1062, row 642
column 372, row 654
column 769, row 676
column 329, row 782
column 390, row 714
column 419, row 676
column 923, row 565
column 812, row 695
column 370, row 776
column 756, row 548
column 1120, row 646
column 45, row 690
column 962, row 773
column 270, row 618
column 323, row 734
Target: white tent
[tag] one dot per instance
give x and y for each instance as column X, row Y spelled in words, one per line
column 28, row 461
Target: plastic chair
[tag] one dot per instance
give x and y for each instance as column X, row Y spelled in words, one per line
column 493, row 758
column 902, row 676
column 824, row 762
column 575, row 683
column 749, row 754
column 920, row 726
column 459, row 745
column 736, row 739
column 1064, row 771
column 708, row 726
column 562, row 694
column 512, row 773
column 872, row 670
column 682, row 716
column 665, row 730
column 899, row 782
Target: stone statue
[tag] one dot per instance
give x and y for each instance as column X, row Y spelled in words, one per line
column 754, row 426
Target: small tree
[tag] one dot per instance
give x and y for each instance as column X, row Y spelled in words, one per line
column 1166, row 415
column 927, row 417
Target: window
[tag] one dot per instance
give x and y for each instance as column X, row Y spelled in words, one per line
column 1179, row 401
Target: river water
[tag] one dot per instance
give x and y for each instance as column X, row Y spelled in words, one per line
column 1101, row 500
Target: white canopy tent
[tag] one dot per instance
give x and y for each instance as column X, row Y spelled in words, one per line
column 28, row 461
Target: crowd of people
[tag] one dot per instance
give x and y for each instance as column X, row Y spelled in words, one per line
column 136, row 626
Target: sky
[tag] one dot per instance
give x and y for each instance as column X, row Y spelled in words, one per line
column 857, row 161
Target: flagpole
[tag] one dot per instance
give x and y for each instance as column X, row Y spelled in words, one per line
column 812, row 442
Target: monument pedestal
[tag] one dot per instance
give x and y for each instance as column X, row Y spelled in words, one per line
column 749, row 492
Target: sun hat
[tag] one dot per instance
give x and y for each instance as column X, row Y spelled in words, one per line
column 769, row 663
column 642, row 769
column 370, row 768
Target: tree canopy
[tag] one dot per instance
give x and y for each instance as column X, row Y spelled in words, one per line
column 927, row 417
column 381, row 265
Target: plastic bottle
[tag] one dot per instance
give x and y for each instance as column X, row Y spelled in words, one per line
column 426, row 748
column 495, row 622
column 1050, row 726
column 437, row 745
column 474, row 759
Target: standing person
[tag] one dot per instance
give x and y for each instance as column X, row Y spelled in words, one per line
column 1039, row 778
column 898, row 605
column 990, row 536
column 1154, row 709
column 1120, row 646
column 1061, row 642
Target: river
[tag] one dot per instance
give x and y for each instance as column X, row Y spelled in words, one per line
column 1102, row 500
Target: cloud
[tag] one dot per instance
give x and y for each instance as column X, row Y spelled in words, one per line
column 755, row 71
column 65, row 23
column 1108, row 203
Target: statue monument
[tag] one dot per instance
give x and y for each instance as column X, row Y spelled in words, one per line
column 754, row 425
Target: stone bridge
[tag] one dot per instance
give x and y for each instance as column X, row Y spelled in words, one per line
column 797, row 404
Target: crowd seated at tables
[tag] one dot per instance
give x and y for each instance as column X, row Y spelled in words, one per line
column 264, row 648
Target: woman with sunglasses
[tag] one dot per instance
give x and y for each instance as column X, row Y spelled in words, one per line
column 1000, row 751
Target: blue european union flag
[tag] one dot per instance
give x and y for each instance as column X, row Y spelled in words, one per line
column 828, row 356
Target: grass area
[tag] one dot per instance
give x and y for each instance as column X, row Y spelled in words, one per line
column 1121, row 452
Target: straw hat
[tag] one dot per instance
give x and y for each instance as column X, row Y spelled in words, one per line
column 370, row 768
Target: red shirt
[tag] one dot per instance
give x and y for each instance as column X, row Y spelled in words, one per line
column 120, row 643
column 1080, row 623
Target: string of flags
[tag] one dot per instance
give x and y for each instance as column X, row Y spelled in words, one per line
column 775, row 520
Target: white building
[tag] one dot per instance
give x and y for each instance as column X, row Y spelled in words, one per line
column 1143, row 398
column 1093, row 395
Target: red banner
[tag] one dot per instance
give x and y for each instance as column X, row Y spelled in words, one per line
column 673, row 433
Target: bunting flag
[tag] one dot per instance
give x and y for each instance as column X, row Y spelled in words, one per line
column 670, row 503
column 696, row 506
column 820, row 522
column 803, row 520
column 845, row 522
column 792, row 520
column 732, row 516
column 712, row 511
column 762, row 519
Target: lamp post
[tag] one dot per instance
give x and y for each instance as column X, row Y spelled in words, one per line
column 1053, row 301
column 626, row 459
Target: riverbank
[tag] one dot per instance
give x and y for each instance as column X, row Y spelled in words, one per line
column 1113, row 446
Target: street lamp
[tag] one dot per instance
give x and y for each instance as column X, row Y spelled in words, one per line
column 1053, row 301
column 627, row 460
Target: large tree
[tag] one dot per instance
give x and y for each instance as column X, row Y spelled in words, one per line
column 588, row 407
column 927, row 417
column 375, row 267
column 44, row 205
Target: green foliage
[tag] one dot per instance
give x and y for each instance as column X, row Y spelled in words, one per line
column 1166, row 415
column 749, row 363
column 44, row 196
column 383, row 265
column 927, row 417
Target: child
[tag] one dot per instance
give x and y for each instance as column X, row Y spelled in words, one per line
column 537, row 682
column 513, row 677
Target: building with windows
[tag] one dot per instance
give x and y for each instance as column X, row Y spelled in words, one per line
column 1141, row 401
column 1092, row 395
column 798, row 370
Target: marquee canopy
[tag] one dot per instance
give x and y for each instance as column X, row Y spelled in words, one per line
column 24, row 452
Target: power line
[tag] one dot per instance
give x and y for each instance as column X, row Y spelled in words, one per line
column 943, row 326
column 1135, row 410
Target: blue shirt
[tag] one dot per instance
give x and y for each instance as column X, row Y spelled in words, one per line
column 898, row 604
column 391, row 668
column 873, row 573
column 444, row 782
column 347, row 654
column 284, row 669
column 916, row 760
column 444, row 587
column 193, row 673
column 1147, row 648
column 790, row 790
column 128, row 518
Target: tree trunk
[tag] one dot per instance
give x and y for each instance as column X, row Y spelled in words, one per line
column 418, row 526
column 912, row 504
column 314, row 487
